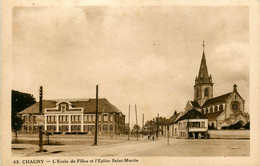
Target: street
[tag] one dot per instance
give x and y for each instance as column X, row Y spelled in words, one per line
column 81, row 145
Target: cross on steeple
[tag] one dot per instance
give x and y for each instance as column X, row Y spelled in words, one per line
column 235, row 87
column 203, row 45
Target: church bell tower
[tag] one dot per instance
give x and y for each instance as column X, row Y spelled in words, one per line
column 203, row 88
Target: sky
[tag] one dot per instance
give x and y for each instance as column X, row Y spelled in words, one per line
column 148, row 56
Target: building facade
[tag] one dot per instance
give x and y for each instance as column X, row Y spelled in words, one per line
column 190, row 124
column 73, row 116
column 222, row 111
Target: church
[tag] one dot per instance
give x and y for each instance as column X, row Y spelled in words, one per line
column 222, row 111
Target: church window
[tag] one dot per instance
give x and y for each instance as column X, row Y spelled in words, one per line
column 221, row 107
column 203, row 111
column 211, row 109
column 216, row 108
column 207, row 111
column 197, row 92
column 206, row 92
column 235, row 106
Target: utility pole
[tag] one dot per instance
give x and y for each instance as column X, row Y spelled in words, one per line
column 188, row 127
column 143, row 127
column 168, row 134
column 136, row 123
column 129, row 122
column 157, row 128
column 96, row 128
column 40, row 126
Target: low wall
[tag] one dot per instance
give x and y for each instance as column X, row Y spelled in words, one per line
column 229, row 134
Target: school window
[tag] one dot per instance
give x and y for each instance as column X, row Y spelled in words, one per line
column 63, row 107
column 105, row 128
column 105, row 118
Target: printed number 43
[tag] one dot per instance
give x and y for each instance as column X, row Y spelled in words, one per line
column 16, row 161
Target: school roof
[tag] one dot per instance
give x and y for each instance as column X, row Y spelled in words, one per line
column 89, row 106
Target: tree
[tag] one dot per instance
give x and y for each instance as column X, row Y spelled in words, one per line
column 20, row 101
column 136, row 127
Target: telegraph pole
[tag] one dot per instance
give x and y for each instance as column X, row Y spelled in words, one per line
column 136, row 123
column 143, row 127
column 188, row 119
column 40, row 126
column 96, row 128
column 129, row 122
column 157, row 126
column 168, row 135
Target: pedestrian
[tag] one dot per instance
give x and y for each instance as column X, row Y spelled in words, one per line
column 153, row 138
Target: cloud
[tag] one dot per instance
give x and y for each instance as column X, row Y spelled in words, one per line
column 147, row 56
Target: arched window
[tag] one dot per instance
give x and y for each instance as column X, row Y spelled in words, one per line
column 206, row 92
column 216, row 108
column 197, row 92
column 105, row 128
column 111, row 127
column 221, row 107
column 207, row 110
column 202, row 111
column 211, row 109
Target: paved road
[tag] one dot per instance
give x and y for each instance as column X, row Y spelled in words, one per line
column 120, row 146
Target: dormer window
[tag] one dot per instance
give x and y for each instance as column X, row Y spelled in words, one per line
column 63, row 107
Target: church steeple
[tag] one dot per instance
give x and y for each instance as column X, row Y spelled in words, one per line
column 203, row 88
column 203, row 76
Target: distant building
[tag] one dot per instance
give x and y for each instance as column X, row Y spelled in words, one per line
column 173, row 125
column 75, row 116
column 222, row 111
column 192, row 124
column 151, row 126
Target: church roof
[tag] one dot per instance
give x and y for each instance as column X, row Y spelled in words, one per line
column 192, row 114
column 218, row 99
column 195, row 103
column 89, row 106
column 213, row 116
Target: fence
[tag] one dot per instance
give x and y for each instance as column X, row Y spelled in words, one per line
column 229, row 134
